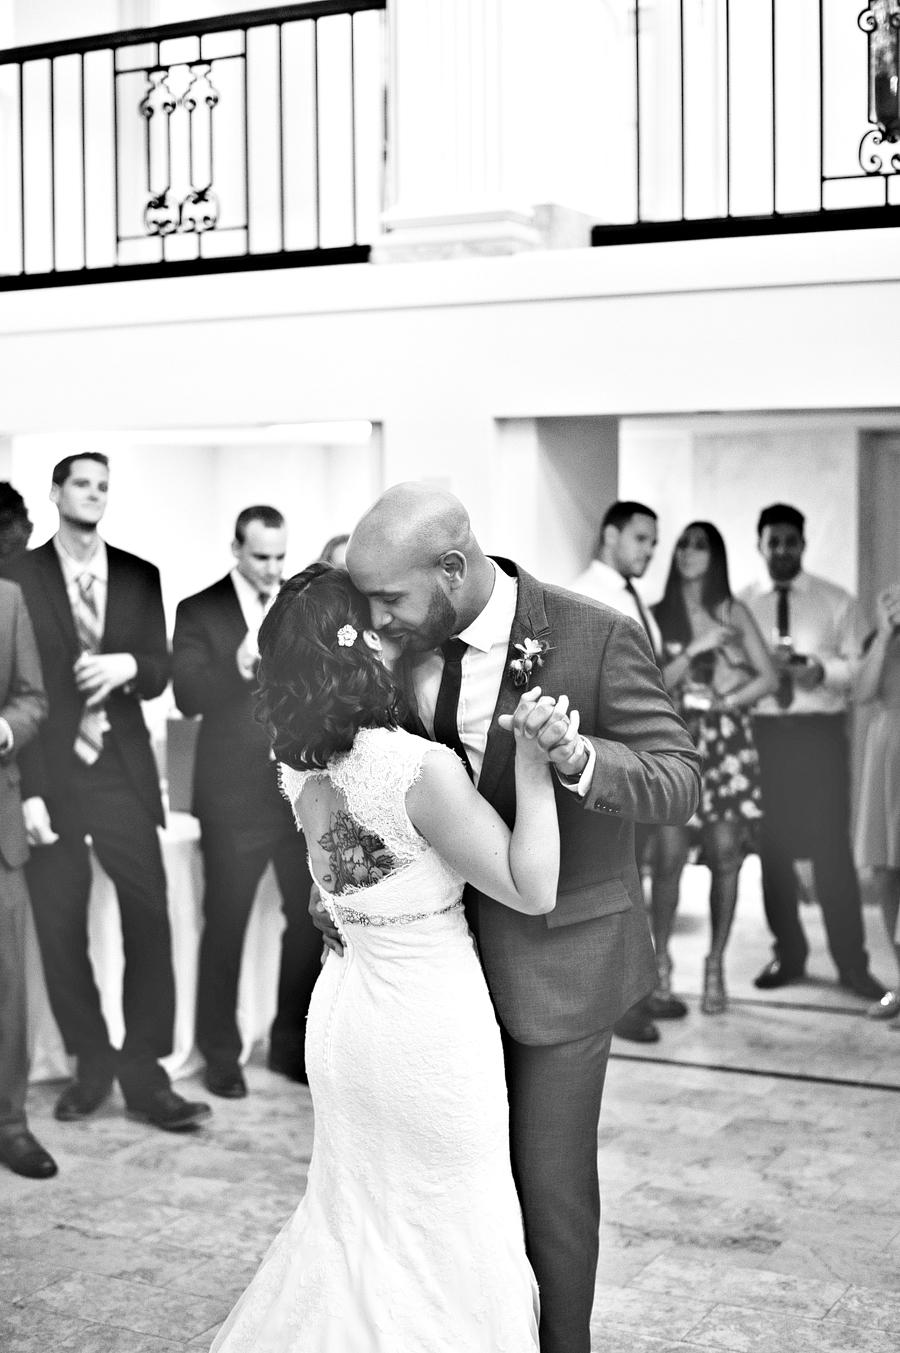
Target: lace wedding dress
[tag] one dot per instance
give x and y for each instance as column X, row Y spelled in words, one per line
column 409, row 1238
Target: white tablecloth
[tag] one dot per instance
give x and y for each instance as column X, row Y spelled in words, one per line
column 258, row 992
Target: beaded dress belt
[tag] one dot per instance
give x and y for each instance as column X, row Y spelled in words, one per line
column 348, row 916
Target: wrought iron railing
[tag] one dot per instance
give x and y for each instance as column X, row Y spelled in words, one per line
column 739, row 117
column 250, row 140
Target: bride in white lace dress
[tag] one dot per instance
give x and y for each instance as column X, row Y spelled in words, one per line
column 409, row 1238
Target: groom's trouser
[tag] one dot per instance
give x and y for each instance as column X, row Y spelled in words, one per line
column 554, row 1097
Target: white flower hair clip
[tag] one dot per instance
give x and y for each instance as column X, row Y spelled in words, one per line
column 346, row 636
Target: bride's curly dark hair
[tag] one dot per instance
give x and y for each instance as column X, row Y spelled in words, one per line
column 313, row 693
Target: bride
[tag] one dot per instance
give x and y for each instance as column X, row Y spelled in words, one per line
column 409, row 1238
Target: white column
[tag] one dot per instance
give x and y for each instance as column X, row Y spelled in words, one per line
column 446, row 193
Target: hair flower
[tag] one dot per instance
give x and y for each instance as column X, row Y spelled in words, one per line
column 533, row 651
column 346, row 636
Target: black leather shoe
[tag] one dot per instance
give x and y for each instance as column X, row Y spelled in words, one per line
column 777, row 974
column 665, row 1007
column 637, row 1026
column 227, row 1082
column 863, row 984
column 287, row 1066
column 166, row 1110
column 81, row 1099
column 24, row 1155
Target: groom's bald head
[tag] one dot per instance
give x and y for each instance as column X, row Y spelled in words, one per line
column 414, row 555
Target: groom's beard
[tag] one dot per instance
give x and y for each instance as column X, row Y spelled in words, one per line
column 439, row 625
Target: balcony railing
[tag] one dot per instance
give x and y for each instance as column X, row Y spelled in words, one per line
column 246, row 141
column 738, row 117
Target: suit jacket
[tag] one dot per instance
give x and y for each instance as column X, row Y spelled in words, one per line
column 136, row 624
column 570, row 973
column 23, row 705
column 235, row 778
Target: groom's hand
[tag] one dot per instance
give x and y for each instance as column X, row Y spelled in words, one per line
column 323, row 922
column 556, row 729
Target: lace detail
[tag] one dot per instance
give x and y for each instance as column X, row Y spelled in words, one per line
column 409, row 1238
column 347, row 915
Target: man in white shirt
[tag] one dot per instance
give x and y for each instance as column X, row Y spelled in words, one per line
column 245, row 822
column 627, row 543
column 812, row 627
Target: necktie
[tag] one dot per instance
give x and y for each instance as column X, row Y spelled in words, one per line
column 645, row 620
column 784, row 695
column 94, row 723
column 446, row 729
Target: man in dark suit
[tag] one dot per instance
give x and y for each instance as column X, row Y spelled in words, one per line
column 559, row 982
column 23, row 706
column 98, row 618
column 244, row 819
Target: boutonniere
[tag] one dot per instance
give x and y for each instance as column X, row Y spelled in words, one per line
column 533, row 650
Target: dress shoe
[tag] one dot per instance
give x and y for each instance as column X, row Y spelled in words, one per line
column 227, row 1082
column 862, row 984
column 81, row 1098
column 24, row 1155
column 287, row 1066
column 777, row 974
column 166, row 1110
column 665, row 1007
column 637, row 1026
column 887, row 1008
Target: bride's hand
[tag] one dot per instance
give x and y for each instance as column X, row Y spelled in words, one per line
column 538, row 723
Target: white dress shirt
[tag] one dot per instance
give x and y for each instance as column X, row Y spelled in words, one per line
column 604, row 583
column 824, row 624
column 73, row 570
column 483, row 669
column 252, row 603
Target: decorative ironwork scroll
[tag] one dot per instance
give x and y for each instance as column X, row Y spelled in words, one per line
column 162, row 212
column 881, row 21
column 198, row 209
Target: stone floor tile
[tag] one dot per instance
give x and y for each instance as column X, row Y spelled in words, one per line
column 868, row 1307
column 757, row 1288
column 19, row 1279
column 220, row 1277
column 740, row 1330
column 29, row 1328
column 664, row 1315
column 92, row 1252
column 205, row 1339
column 133, row 1306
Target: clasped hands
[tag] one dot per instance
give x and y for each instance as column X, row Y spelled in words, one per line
column 97, row 675
column 553, row 727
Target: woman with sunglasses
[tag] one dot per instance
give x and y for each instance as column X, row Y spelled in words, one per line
column 716, row 668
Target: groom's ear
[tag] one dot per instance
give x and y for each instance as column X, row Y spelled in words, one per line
column 454, row 567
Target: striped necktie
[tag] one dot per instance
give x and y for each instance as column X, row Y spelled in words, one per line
column 94, row 723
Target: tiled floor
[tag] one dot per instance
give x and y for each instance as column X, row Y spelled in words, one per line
column 745, row 1209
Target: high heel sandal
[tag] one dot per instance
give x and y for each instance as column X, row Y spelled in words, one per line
column 661, row 1004
column 664, row 975
column 715, row 998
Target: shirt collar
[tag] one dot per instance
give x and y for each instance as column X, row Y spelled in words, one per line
column 611, row 576
column 494, row 623
column 97, row 566
column 799, row 584
column 244, row 587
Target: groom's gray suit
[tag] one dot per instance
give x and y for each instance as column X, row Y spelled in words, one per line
column 560, row 981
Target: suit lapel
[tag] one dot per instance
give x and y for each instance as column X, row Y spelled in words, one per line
column 117, row 602
column 55, row 587
column 531, row 622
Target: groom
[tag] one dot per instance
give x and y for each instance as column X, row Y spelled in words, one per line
column 559, row 982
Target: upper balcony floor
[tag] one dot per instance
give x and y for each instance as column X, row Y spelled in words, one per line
column 144, row 138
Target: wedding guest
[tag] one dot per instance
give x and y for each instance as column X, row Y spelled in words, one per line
column 23, row 706
column 625, row 547
column 245, row 822
column 717, row 667
column 334, row 551
column 801, row 737
column 98, row 619
column 878, row 819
